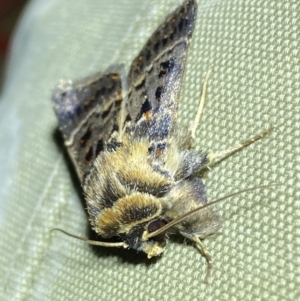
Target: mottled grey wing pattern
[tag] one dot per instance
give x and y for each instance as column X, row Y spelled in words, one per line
column 93, row 114
column 88, row 114
column 155, row 79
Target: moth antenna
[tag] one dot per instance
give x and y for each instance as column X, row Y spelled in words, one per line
column 147, row 235
column 94, row 242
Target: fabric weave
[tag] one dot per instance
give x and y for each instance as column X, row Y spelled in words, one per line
column 254, row 49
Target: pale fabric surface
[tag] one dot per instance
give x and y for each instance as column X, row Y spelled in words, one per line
column 254, row 48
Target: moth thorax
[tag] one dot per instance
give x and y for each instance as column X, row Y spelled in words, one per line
column 128, row 212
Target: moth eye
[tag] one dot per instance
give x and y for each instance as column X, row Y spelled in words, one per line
column 155, row 225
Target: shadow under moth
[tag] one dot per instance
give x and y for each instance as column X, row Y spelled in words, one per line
column 137, row 167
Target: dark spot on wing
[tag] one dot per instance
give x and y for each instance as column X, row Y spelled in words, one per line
column 148, row 55
column 146, row 106
column 165, row 41
column 115, row 128
column 156, row 46
column 102, row 91
column 145, row 110
column 89, row 154
column 151, row 149
column 85, row 138
column 166, row 67
column 128, row 118
column 99, row 147
column 180, row 24
column 159, row 91
column 99, row 92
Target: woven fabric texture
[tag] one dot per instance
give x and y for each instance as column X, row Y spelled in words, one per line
column 254, row 49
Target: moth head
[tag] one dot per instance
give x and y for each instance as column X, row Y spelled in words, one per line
column 153, row 246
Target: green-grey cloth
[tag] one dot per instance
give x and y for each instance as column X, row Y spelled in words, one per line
column 254, row 49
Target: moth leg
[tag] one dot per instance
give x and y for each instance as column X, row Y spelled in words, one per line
column 219, row 156
column 204, row 252
column 194, row 127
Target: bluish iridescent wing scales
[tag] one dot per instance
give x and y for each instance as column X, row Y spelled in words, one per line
column 155, row 79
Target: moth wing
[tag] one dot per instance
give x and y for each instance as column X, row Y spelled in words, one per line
column 155, row 78
column 90, row 114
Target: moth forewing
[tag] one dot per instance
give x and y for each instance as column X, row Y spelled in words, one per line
column 89, row 114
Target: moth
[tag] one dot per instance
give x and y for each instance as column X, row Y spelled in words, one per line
column 137, row 166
